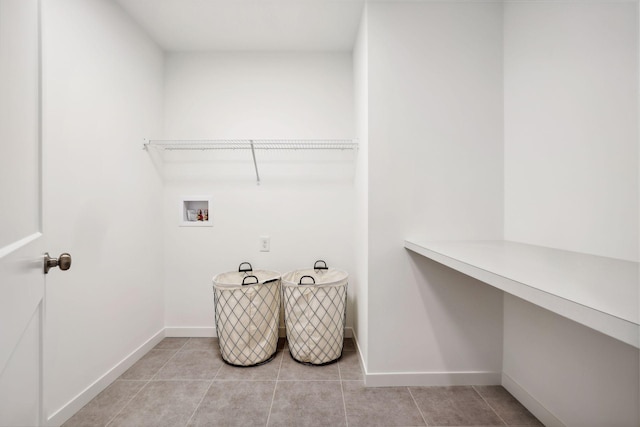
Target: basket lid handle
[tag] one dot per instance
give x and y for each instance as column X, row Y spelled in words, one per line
column 320, row 267
column 313, row 281
column 244, row 280
column 245, row 269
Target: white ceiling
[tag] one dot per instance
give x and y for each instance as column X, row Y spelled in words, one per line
column 248, row 25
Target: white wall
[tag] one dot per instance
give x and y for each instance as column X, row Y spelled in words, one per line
column 571, row 90
column 571, row 182
column 305, row 200
column 435, row 172
column 102, row 195
column 258, row 95
column 361, row 199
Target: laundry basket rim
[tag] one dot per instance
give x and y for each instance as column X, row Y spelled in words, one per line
column 233, row 279
column 336, row 277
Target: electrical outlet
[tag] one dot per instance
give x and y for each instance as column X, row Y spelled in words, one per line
column 265, row 243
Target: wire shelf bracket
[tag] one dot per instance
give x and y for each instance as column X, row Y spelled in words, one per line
column 255, row 164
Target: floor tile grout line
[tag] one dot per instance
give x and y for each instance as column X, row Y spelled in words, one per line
column 489, row 405
column 215, row 377
column 201, row 400
column 275, row 387
column 280, row 365
column 127, row 404
column 344, row 403
column 417, row 406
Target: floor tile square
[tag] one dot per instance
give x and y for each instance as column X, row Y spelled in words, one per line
column 148, row 365
column 308, row 404
column 105, row 405
column 191, row 365
column 349, row 365
column 291, row 370
column 162, row 404
column 265, row 372
column 380, row 406
column 453, row 406
column 235, row 403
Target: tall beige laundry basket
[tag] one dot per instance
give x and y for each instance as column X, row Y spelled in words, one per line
column 247, row 314
column 315, row 303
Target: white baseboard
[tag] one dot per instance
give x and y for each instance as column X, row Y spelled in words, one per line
column 530, row 402
column 417, row 379
column 190, row 331
column 74, row 405
column 363, row 365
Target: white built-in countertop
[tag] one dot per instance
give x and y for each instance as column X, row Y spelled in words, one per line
column 598, row 292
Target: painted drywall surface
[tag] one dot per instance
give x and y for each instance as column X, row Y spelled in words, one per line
column 259, row 95
column 435, row 172
column 571, row 89
column 571, row 181
column 305, row 200
column 361, row 199
column 102, row 195
column 583, row 377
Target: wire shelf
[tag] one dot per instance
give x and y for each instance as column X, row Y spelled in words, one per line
column 251, row 144
column 246, row 144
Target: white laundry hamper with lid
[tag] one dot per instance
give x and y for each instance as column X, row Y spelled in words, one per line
column 247, row 314
column 315, row 303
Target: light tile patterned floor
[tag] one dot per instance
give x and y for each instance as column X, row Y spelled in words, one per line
column 184, row 382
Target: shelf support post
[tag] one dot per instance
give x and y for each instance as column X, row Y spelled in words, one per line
column 255, row 164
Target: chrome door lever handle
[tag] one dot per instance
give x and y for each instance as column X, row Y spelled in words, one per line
column 63, row 262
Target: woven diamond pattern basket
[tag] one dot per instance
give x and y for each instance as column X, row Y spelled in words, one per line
column 314, row 312
column 247, row 316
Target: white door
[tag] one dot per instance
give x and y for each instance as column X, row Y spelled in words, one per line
column 21, row 239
